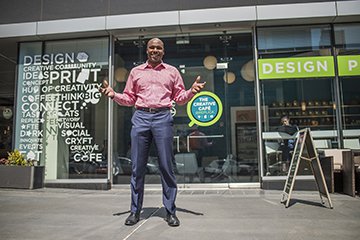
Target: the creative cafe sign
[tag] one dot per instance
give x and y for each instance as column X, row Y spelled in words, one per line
column 305, row 67
column 204, row 109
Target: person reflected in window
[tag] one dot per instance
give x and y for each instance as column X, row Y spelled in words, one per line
column 198, row 144
column 151, row 87
column 287, row 145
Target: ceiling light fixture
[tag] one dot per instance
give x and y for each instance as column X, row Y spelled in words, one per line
column 210, row 62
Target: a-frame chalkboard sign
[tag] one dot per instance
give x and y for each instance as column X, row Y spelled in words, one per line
column 305, row 151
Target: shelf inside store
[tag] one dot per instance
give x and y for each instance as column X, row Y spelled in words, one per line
column 299, row 107
column 305, row 116
column 351, row 106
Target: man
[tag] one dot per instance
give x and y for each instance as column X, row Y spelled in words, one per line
column 150, row 88
column 288, row 144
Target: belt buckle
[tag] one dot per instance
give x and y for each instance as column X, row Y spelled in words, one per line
column 152, row 110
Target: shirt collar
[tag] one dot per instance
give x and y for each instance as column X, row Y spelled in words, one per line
column 160, row 66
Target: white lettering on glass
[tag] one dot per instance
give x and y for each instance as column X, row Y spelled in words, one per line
column 56, row 88
column 267, row 68
column 352, row 64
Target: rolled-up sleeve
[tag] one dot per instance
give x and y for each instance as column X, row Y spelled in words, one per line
column 128, row 97
column 180, row 95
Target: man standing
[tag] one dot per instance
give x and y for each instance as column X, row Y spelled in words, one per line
column 150, row 88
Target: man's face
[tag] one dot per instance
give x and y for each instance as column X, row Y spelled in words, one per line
column 155, row 51
column 286, row 121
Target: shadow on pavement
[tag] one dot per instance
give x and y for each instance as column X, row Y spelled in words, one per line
column 157, row 212
column 296, row 201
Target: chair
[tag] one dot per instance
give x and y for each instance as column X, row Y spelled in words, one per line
column 221, row 169
column 271, row 148
column 186, row 164
column 353, row 143
column 272, row 152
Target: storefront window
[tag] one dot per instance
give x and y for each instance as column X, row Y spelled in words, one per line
column 223, row 151
column 296, row 72
column 60, row 114
column 6, row 126
column 7, row 76
column 347, row 43
column 294, row 39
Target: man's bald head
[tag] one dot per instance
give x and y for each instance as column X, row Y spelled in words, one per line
column 155, row 40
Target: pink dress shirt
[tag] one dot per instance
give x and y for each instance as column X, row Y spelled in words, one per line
column 150, row 87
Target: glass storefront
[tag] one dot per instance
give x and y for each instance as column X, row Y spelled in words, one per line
column 60, row 115
column 299, row 73
column 307, row 73
column 347, row 45
column 307, row 101
column 222, row 152
column 6, row 127
column 7, row 79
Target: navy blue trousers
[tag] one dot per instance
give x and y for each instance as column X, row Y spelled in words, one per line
column 146, row 128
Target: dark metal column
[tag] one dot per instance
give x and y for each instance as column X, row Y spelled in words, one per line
column 225, row 39
column 337, row 86
column 258, row 106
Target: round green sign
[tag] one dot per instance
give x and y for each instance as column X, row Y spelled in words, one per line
column 204, row 109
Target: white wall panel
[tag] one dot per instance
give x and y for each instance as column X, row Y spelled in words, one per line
column 348, row 8
column 71, row 25
column 17, row 29
column 218, row 15
column 154, row 19
column 290, row 11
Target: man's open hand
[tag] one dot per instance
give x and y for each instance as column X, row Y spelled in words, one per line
column 107, row 90
column 197, row 85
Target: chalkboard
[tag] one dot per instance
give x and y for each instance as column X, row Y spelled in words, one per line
column 316, row 167
column 318, row 175
column 305, row 151
column 310, row 149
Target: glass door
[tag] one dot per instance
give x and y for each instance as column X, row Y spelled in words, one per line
column 222, row 150
column 347, row 50
column 199, row 149
column 297, row 93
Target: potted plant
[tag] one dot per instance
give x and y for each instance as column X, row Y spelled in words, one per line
column 18, row 172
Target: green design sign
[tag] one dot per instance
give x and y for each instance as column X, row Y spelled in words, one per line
column 204, row 109
column 349, row 65
column 301, row 67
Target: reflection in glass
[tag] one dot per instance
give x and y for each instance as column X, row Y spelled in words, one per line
column 348, row 44
column 308, row 102
column 61, row 116
column 213, row 163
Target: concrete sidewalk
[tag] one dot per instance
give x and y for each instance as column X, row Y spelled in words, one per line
column 53, row 214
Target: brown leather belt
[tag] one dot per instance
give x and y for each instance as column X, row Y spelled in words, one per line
column 153, row 110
